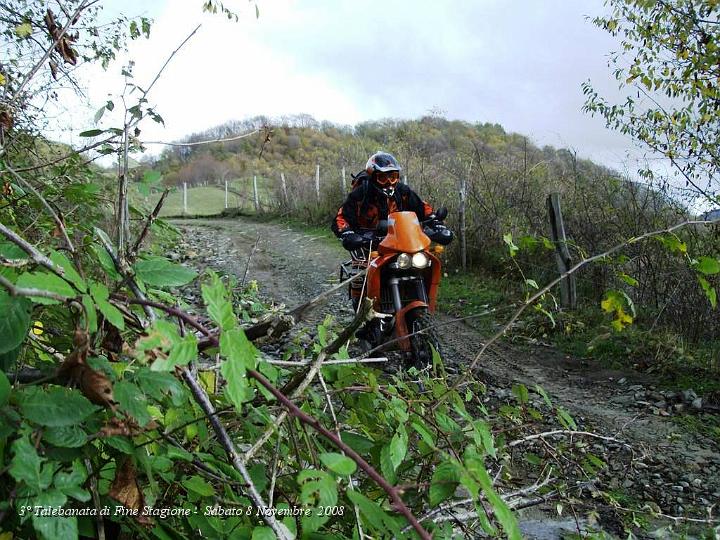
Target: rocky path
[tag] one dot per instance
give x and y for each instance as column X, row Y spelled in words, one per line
column 678, row 470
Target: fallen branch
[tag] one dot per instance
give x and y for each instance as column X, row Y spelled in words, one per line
column 203, row 400
column 392, row 492
column 298, row 384
column 569, row 433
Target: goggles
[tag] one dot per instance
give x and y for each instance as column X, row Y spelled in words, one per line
column 389, row 178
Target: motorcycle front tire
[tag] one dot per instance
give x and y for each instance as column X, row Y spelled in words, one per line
column 422, row 344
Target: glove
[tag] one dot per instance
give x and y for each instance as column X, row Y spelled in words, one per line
column 351, row 240
column 441, row 234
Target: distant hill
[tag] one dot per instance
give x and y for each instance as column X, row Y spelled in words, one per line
column 429, row 145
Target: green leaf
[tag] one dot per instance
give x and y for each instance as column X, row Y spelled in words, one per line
column 105, row 261
column 628, row 279
column 156, row 385
column 540, row 390
column 23, row 30
column 424, row 433
column 181, row 354
column 55, row 407
column 398, row 447
column 132, row 401
column 90, row 313
column 502, row 511
column 101, row 295
column 710, row 291
column 65, row 436
column 263, row 533
column 45, row 281
column 508, row 239
column 486, row 439
column 520, row 392
column 70, row 483
column 5, row 389
column 444, row 482
column 52, row 527
column 673, row 243
column 197, row 485
column 70, row 273
column 317, row 489
column 338, row 463
column 161, row 272
column 357, row 442
column 708, row 265
column 91, row 133
column 25, row 464
column 240, row 355
column 218, row 306
column 567, row 421
column 374, row 516
column 386, row 465
column 14, row 322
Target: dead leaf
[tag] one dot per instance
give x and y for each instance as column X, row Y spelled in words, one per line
column 62, row 44
column 7, row 189
column 95, row 385
column 126, row 491
column 53, row 69
column 6, row 120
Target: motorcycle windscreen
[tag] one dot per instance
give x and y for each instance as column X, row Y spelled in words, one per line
column 404, row 233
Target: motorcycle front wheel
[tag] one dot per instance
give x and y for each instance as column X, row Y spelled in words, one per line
column 423, row 338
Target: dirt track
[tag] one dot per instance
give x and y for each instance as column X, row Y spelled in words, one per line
column 680, row 468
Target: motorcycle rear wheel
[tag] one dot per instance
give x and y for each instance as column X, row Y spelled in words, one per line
column 422, row 344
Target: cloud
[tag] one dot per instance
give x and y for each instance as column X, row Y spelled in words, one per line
column 517, row 64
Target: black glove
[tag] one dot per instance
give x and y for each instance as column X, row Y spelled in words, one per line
column 440, row 234
column 351, row 240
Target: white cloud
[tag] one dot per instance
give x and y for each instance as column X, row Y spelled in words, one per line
column 519, row 64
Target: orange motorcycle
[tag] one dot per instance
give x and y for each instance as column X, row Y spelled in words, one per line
column 402, row 282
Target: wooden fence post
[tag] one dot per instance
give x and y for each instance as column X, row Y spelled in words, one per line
column 463, row 238
column 255, row 191
column 284, row 190
column 184, row 197
column 317, row 181
column 344, row 183
column 568, row 288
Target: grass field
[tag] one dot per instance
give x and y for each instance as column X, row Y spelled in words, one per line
column 209, row 200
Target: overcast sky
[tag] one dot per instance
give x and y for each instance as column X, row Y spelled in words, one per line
column 517, row 63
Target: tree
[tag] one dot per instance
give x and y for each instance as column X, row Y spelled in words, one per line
column 670, row 57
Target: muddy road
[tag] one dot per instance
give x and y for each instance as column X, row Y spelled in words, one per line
column 677, row 469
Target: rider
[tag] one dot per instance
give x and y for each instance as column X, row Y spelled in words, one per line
column 377, row 192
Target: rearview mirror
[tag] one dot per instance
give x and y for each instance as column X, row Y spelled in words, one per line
column 441, row 213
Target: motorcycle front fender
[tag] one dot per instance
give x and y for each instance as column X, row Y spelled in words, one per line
column 401, row 329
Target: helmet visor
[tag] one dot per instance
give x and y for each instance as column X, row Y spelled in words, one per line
column 389, row 178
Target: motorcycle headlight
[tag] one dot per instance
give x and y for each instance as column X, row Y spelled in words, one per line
column 420, row 260
column 403, row 261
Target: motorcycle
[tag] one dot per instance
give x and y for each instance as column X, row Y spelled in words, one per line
column 403, row 275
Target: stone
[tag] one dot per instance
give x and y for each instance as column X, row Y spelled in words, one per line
column 697, row 403
column 689, row 396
